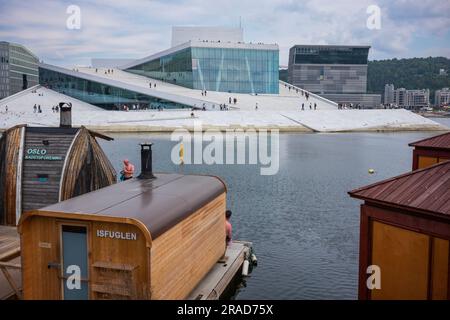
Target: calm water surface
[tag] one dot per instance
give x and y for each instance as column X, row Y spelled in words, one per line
column 304, row 226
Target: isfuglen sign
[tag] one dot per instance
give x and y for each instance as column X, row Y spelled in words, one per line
column 116, row 235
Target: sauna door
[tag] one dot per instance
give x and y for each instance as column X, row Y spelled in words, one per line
column 74, row 257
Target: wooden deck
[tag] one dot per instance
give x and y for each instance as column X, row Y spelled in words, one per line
column 9, row 262
column 220, row 276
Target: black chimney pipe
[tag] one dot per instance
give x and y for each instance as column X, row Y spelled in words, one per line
column 146, row 161
column 65, row 116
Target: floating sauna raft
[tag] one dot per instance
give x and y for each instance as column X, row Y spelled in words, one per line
column 153, row 238
column 211, row 287
column 40, row 166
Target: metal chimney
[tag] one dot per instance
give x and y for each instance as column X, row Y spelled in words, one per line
column 146, row 161
column 65, row 118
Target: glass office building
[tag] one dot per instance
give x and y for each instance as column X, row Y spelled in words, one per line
column 101, row 94
column 18, row 69
column 240, row 68
column 327, row 69
column 338, row 73
column 331, row 55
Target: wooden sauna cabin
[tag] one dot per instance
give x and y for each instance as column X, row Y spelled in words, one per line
column 40, row 166
column 405, row 230
column 430, row 151
column 151, row 237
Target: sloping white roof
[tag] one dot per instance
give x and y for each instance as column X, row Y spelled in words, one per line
column 189, row 101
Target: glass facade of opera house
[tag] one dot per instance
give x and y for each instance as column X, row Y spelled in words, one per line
column 100, row 94
column 240, row 70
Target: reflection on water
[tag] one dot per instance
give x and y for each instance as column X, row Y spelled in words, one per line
column 302, row 223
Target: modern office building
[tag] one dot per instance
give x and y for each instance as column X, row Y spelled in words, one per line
column 18, row 69
column 338, row 73
column 214, row 66
column 404, row 98
column 388, row 94
column 442, row 97
column 418, row 98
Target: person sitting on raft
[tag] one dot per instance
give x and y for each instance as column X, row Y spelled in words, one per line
column 228, row 227
column 128, row 170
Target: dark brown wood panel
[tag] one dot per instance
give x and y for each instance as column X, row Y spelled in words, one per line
column 41, row 178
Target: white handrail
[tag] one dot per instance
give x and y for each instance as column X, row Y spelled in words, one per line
column 310, row 93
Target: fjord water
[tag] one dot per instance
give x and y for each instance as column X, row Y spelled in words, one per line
column 303, row 225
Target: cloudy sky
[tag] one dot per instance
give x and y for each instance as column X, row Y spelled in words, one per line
column 136, row 28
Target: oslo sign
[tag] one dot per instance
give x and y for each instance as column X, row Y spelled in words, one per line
column 40, row 154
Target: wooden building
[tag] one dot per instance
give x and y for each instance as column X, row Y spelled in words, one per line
column 151, row 237
column 405, row 231
column 43, row 165
column 430, row 151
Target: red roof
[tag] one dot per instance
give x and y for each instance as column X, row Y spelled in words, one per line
column 426, row 190
column 441, row 141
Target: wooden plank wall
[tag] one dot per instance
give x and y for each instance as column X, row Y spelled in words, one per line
column 9, row 148
column 87, row 168
column 183, row 255
column 39, row 241
column 37, row 193
column 118, row 269
column 2, row 177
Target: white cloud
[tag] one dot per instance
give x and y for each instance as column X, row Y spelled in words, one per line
column 136, row 28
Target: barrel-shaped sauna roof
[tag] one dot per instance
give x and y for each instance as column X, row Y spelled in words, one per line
column 158, row 203
column 43, row 165
column 425, row 191
column 441, row 141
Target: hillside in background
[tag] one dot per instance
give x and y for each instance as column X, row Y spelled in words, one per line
column 415, row 73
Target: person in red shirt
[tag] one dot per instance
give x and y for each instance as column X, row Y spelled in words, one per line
column 128, row 169
column 228, row 227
